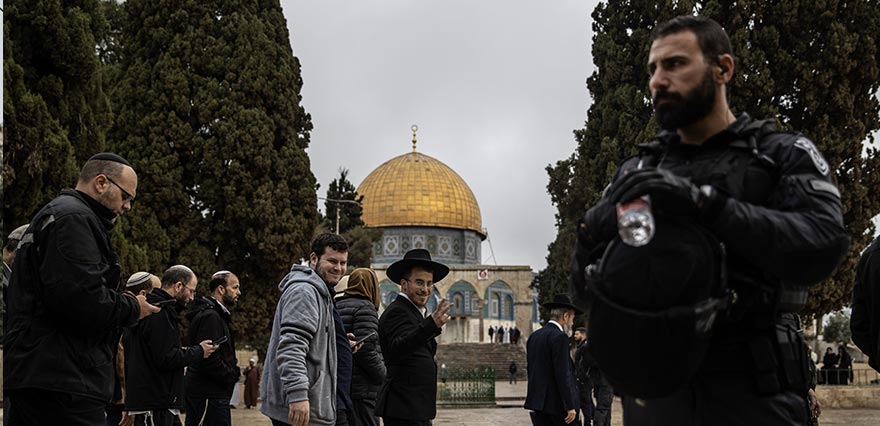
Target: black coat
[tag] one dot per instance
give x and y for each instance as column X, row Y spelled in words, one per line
column 551, row 385
column 154, row 359
column 215, row 376
column 865, row 320
column 63, row 327
column 407, row 339
column 360, row 318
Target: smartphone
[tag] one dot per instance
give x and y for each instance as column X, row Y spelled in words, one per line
column 219, row 341
column 363, row 339
column 164, row 303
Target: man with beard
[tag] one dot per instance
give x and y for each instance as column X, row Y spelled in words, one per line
column 154, row 358
column 552, row 393
column 210, row 382
column 300, row 375
column 63, row 326
column 407, row 337
column 765, row 197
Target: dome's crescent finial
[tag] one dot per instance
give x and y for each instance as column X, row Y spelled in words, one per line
column 414, row 129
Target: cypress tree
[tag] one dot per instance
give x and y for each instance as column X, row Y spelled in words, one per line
column 55, row 111
column 812, row 66
column 209, row 110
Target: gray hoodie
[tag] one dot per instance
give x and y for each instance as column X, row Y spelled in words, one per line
column 301, row 358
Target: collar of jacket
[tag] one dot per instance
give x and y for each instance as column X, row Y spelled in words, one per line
column 106, row 215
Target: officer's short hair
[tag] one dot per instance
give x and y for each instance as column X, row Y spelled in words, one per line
column 581, row 329
column 713, row 40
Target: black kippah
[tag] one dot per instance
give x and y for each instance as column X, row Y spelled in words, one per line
column 109, row 156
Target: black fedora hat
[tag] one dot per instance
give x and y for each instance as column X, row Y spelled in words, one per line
column 562, row 301
column 416, row 257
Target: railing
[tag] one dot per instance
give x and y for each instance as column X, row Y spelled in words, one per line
column 467, row 387
column 834, row 376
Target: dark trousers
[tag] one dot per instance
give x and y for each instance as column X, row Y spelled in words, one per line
column 114, row 414
column 718, row 400
column 364, row 413
column 604, row 398
column 585, row 394
column 207, row 412
column 392, row 421
column 543, row 419
column 342, row 418
column 279, row 423
column 157, row 418
column 41, row 407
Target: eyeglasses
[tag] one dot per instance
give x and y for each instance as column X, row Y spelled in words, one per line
column 126, row 196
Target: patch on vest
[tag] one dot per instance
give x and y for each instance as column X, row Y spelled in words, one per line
column 806, row 145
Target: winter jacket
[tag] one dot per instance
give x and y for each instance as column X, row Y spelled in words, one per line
column 301, row 357
column 360, row 318
column 215, row 376
column 865, row 320
column 64, row 326
column 154, row 359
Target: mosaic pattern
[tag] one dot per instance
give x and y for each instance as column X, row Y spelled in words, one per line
column 418, row 190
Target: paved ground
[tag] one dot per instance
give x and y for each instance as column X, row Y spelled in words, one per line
column 510, row 413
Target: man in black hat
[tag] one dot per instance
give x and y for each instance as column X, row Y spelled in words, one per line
column 409, row 394
column 63, row 329
column 552, row 394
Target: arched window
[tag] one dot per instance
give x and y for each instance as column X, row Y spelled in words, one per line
column 500, row 300
column 509, row 305
column 458, row 305
column 466, row 293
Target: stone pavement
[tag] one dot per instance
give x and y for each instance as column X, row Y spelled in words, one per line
column 510, row 413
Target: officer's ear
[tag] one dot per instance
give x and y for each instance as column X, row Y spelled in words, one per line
column 724, row 66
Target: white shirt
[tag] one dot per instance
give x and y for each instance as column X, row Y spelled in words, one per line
column 556, row 324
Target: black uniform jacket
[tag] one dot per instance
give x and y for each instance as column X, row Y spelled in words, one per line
column 154, row 359
column 408, row 345
column 64, row 326
column 865, row 320
column 551, row 386
column 215, row 376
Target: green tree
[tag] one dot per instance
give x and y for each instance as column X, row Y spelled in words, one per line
column 836, row 328
column 813, row 66
column 55, row 111
column 209, row 111
column 360, row 238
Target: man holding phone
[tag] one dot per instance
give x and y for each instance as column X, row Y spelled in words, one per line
column 154, row 358
column 210, row 382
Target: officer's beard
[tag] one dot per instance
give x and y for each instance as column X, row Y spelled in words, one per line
column 683, row 110
column 228, row 301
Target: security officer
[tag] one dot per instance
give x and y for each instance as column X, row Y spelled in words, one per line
column 767, row 196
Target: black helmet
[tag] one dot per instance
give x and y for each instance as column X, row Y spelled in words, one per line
column 654, row 307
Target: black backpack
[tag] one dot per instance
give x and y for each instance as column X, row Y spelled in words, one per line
column 654, row 307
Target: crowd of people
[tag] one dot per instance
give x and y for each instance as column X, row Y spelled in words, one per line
column 753, row 209
column 500, row 334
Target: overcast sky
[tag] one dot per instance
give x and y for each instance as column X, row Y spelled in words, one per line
column 495, row 86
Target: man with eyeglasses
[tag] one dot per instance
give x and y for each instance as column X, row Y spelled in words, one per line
column 154, row 358
column 406, row 333
column 63, row 329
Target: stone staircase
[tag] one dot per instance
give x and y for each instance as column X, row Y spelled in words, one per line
column 472, row 355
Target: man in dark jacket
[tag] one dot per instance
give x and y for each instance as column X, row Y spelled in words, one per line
column 409, row 394
column 210, row 382
column 154, row 358
column 582, row 375
column 552, row 394
column 767, row 196
column 63, row 329
column 865, row 319
column 358, row 309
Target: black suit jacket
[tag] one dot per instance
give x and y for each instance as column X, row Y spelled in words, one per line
column 408, row 345
column 551, row 387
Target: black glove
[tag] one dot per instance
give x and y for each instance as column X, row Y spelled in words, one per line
column 594, row 231
column 670, row 194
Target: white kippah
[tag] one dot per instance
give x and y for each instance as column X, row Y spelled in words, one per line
column 137, row 278
column 218, row 273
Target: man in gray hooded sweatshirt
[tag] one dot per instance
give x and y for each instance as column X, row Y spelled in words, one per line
column 299, row 378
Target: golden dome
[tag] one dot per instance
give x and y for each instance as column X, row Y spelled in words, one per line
column 414, row 189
